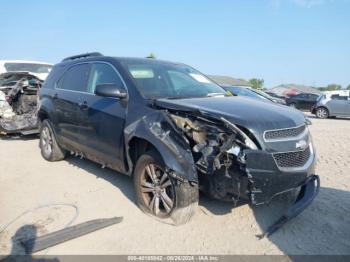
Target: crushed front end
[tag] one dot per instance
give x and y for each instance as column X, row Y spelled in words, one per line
column 18, row 103
column 233, row 164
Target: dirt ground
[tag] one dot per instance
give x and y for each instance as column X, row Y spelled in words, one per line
column 27, row 181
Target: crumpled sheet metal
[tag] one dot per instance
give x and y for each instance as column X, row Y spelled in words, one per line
column 18, row 122
column 6, row 110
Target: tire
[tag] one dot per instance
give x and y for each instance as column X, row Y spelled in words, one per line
column 293, row 105
column 162, row 196
column 50, row 150
column 322, row 112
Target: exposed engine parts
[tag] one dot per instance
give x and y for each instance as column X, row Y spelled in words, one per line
column 18, row 102
column 218, row 154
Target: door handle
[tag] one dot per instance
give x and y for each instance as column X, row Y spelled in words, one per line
column 83, row 105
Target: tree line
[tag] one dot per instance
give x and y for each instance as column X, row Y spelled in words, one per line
column 259, row 84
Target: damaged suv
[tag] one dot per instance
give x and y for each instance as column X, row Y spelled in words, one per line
column 176, row 132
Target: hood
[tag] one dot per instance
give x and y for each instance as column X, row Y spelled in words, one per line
column 40, row 76
column 13, row 77
column 252, row 114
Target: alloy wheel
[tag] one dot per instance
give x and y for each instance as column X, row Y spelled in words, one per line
column 46, row 141
column 157, row 190
column 322, row 113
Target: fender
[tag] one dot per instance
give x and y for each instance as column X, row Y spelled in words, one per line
column 159, row 131
column 46, row 108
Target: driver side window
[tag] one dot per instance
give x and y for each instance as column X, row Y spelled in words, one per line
column 103, row 74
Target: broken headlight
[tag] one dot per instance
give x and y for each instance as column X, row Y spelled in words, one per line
column 247, row 141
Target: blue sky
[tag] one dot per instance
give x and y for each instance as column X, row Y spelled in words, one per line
column 281, row 41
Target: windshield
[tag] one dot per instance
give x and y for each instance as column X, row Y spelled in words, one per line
column 27, row 67
column 163, row 80
column 262, row 93
column 243, row 91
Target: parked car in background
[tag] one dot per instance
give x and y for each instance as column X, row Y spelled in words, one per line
column 18, row 102
column 252, row 93
column 302, row 101
column 271, row 98
column 275, row 95
column 39, row 69
column 175, row 131
column 332, row 105
column 20, row 81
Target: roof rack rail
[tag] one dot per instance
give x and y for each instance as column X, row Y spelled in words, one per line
column 82, row 56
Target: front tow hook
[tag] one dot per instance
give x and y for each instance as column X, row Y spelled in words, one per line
column 307, row 194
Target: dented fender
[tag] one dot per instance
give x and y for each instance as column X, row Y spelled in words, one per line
column 158, row 130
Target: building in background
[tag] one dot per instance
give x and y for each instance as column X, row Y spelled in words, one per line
column 228, row 81
column 287, row 90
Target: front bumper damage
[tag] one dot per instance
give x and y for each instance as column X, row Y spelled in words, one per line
column 24, row 124
column 307, row 194
column 234, row 165
column 267, row 181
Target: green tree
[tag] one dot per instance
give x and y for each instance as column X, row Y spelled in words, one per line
column 348, row 88
column 257, row 83
column 332, row 87
column 151, row 56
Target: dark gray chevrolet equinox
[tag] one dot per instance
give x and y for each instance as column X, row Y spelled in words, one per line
column 175, row 132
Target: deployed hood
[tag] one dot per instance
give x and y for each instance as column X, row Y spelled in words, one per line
column 41, row 76
column 10, row 79
column 254, row 115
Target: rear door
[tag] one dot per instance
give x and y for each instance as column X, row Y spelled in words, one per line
column 310, row 101
column 102, row 119
column 300, row 101
column 66, row 99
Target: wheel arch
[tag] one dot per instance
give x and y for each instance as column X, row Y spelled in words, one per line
column 156, row 132
column 138, row 146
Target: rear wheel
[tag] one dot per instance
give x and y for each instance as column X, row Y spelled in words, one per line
column 322, row 112
column 50, row 150
column 161, row 196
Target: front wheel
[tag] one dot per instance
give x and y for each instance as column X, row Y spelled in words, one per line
column 322, row 112
column 161, row 196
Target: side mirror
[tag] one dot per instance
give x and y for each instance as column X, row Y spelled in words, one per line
column 110, row 90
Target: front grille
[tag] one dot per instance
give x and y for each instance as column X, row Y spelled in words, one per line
column 292, row 159
column 284, row 133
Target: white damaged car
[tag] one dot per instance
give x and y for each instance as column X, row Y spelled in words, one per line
column 19, row 84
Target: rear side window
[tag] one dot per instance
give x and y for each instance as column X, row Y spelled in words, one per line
column 103, row 74
column 76, row 78
column 339, row 97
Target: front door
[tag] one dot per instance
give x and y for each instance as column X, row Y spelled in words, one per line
column 102, row 119
column 347, row 107
column 338, row 104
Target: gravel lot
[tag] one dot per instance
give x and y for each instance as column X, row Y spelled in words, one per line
column 28, row 181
